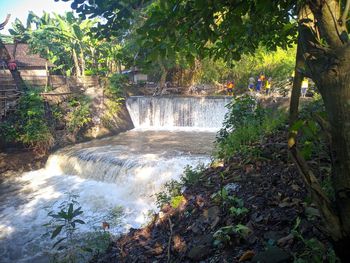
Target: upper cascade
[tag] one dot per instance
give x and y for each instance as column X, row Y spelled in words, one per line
column 177, row 112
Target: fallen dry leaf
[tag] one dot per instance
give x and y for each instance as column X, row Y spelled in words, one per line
column 248, row 255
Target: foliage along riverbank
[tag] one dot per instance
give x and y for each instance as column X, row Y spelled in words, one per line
column 253, row 207
column 40, row 125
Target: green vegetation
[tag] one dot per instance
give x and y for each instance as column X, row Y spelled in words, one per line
column 245, row 124
column 315, row 251
column 223, row 236
column 172, row 193
column 79, row 113
column 114, row 93
column 33, row 123
column 116, row 85
column 71, row 246
column 277, row 64
column 68, row 42
column 27, row 125
column 65, row 222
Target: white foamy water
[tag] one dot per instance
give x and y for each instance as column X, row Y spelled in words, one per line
column 176, row 112
column 117, row 173
column 125, row 170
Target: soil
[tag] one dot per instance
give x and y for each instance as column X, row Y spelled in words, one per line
column 18, row 160
column 280, row 221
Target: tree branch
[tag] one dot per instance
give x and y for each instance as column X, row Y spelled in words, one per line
column 323, row 203
column 2, row 25
column 344, row 17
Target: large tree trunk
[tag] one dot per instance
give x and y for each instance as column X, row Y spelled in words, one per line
column 335, row 90
column 329, row 67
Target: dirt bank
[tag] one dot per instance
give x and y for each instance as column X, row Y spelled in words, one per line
column 20, row 160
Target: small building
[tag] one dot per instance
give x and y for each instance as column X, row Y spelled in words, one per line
column 28, row 64
column 34, row 69
column 135, row 75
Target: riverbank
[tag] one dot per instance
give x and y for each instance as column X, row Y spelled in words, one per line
column 19, row 160
column 255, row 210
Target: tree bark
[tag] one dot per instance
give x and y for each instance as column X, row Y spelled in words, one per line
column 294, row 99
column 335, row 92
column 76, row 63
column 329, row 67
column 82, row 61
column 164, row 73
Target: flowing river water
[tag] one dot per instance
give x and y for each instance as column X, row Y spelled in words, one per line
column 118, row 174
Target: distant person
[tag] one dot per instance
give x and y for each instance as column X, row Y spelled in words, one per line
column 304, row 87
column 229, row 87
column 268, row 86
column 260, row 82
column 251, row 84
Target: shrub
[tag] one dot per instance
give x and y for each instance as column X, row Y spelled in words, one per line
column 29, row 122
column 71, row 244
column 192, row 175
column 8, row 132
column 244, row 124
column 116, row 85
column 172, row 189
column 241, row 111
column 79, row 113
column 172, row 193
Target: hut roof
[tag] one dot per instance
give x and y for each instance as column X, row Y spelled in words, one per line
column 25, row 58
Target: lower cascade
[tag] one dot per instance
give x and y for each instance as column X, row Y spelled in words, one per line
column 120, row 173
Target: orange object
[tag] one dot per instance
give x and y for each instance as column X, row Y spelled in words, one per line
column 105, row 225
column 248, row 255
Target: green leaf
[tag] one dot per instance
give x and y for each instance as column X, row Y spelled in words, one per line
column 78, row 221
column 59, row 241
column 57, row 231
column 70, row 211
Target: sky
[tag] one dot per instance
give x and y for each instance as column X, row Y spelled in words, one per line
column 20, row 9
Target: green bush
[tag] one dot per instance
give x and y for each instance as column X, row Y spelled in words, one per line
column 241, row 111
column 244, row 124
column 8, row 132
column 79, row 113
column 213, row 71
column 192, row 174
column 28, row 125
column 172, row 193
column 172, row 189
column 116, row 85
column 71, row 245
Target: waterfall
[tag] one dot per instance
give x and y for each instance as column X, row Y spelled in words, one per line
column 119, row 173
column 123, row 171
column 173, row 112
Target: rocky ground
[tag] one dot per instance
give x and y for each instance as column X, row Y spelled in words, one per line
column 276, row 221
